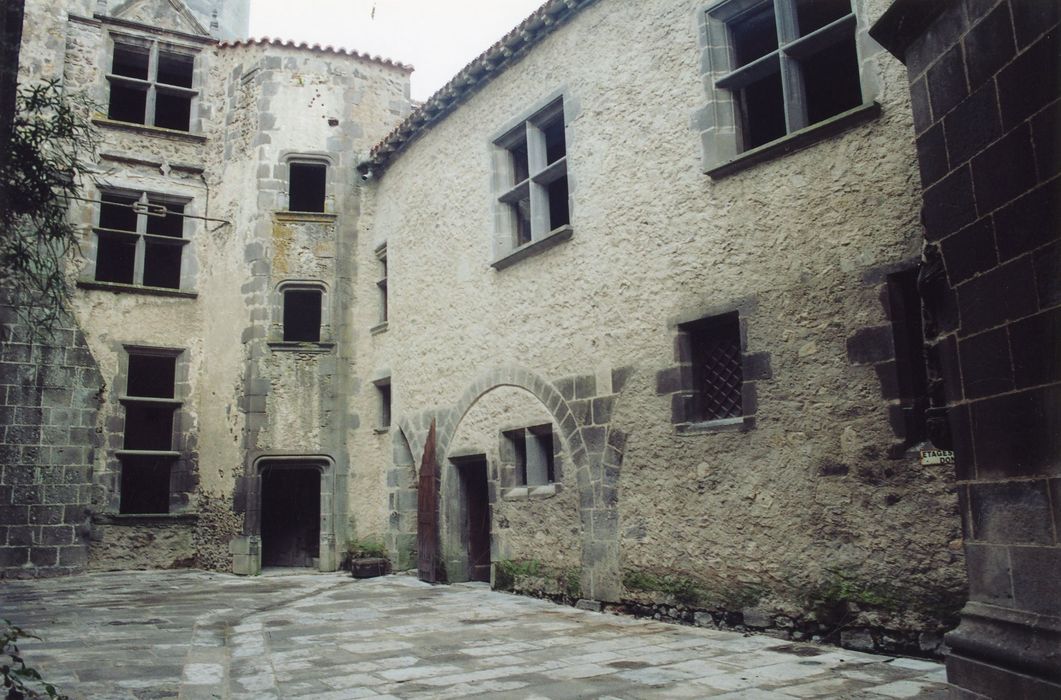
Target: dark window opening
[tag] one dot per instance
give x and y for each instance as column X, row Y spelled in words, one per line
column 520, row 168
column 116, row 212
column 144, row 485
column 302, row 315
column 148, row 426
column 171, row 224
column 384, row 389
column 762, row 111
column 115, row 258
column 162, row 265
column 175, row 69
column 521, row 210
column 815, row 14
column 519, row 450
column 754, row 34
column 127, row 103
column 151, row 376
column 904, row 304
column 558, row 211
column 717, row 374
column 173, row 111
column 555, row 141
column 307, row 187
column 130, row 61
column 831, row 82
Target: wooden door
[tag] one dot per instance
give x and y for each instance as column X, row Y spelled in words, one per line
column 427, row 513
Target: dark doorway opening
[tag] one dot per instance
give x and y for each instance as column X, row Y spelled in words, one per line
column 475, row 515
column 291, row 516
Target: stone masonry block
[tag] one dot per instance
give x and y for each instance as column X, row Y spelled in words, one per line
column 869, row 345
column 1011, row 512
column 585, row 386
column 602, row 409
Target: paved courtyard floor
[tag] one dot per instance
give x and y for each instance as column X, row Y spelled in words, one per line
column 197, row 636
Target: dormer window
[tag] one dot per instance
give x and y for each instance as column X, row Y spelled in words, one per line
column 151, row 84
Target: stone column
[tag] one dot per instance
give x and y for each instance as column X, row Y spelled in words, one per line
column 984, row 90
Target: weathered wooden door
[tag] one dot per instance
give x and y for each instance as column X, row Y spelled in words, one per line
column 427, row 513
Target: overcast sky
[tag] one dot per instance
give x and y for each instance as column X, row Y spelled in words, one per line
column 438, row 37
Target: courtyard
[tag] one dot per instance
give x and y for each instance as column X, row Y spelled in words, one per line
column 196, row 635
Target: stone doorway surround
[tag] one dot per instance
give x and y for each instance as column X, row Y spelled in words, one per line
column 247, row 549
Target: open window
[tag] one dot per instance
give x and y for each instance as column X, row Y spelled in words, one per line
column 140, row 239
column 302, row 315
column 307, row 186
column 151, row 83
column 147, row 455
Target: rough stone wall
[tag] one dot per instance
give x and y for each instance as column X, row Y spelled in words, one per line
column 229, row 167
column 516, row 517
column 800, row 243
column 986, row 84
column 50, row 396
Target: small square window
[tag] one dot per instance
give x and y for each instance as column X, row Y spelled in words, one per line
column 307, row 187
column 302, row 315
column 533, row 455
column 714, row 346
column 145, row 485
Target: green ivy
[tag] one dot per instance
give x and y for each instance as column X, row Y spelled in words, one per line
column 19, row 680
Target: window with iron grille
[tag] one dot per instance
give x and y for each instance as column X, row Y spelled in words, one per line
column 717, row 378
column 791, row 64
column 140, row 239
column 151, row 83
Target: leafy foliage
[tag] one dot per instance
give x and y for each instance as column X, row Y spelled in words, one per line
column 21, row 682
column 367, row 548
column 51, row 142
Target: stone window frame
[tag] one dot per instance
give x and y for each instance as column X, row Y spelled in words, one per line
column 678, row 381
column 381, row 285
column 721, row 142
column 276, row 328
column 505, row 249
column 330, row 187
column 181, row 476
column 509, row 455
column 384, row 404
column 144, row 197
column 154, row 45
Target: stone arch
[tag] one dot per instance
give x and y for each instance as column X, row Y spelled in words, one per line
column 595, row 452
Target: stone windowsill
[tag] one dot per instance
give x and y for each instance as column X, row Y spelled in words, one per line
column 300, row 346
column 149, row 130
column 380, row 327
column 318, row 217
column 531, row 493
column 724, row 425
column 136, row 289
column 381, row 429
column 549, row 240
column 797, row 140
column 143, row 518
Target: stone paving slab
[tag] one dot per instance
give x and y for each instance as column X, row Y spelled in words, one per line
column 194, row 635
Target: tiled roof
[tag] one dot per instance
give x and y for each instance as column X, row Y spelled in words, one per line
column 267, row 41
column 541, row 23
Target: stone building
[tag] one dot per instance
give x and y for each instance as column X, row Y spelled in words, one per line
column 629, row 311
